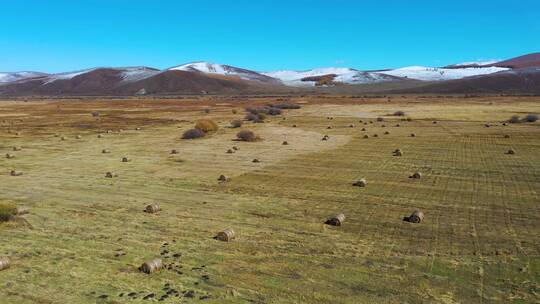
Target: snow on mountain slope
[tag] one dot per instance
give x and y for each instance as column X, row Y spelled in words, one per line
column 221, row 69
column 437, row 74
column 473, row 64
column 343, row 75
column 133, row 74
column 16, row 76
column 66, row 76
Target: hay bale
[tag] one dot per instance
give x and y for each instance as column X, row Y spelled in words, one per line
column 125, row 159
column 398, row 125
column 8, row 155
column 17, row 148
column 360, row 183
column 109, row 131
column 151, row 266
column 351, row 126
column 383, row 126
column 416, row 175
column 222, row 178
column 110, row 175
column 137, row 129
column 397, row 152
column 256, row 160
column 375, row 135
column 366, row 136
column 15, row 173
column 510, row 151
column 363, row 129
column 174, row 151
column 505, row 124
column 415, row 217
column 336, row 220
column 99, row 135
column 78, row 137
column 63, row 138
column 104, row 151
column 386, row 133
column 434, row 122
column 326, row 137
column 4, row 263
column 152, row 208
column 235, row 148
column 294, row 126
column 506, row 136
column 413, row 135
column 230, row 151
column 22, row 210
column 285, row 143
column 329, row 127
column 226, row 235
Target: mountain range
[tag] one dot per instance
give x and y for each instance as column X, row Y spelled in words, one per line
column 520, row 75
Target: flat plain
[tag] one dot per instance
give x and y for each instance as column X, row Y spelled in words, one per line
column 86, row 235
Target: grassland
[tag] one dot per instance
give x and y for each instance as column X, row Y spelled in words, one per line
column 87, row 234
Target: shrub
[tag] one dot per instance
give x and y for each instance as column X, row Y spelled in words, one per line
column 193, row 133
column 399, row 113
column 274, row 111
column 258, row 118
column 531, row 118
column 380, row 119
column 7, row 210
column 234, row 111
column 514, row 119
column 206, row 125
column 236, row 123
column 247, row 135
column 207, row 110
column 286, row 105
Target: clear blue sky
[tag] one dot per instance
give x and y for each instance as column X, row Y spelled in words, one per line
column 63, row 35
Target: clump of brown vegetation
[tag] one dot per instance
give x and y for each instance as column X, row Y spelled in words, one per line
column 257, row 118
column 247, row 135
column 399, row 113
column 193, row 134
column 236, row 123
column 206, row 125
column 531, row 118
column 286, row 106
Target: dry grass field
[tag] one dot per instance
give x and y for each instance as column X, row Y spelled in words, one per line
column 86, row 235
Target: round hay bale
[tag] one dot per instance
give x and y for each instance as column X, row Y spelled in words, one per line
column 152, row 208
column 413, row 135
column 386, row 133
column 363, row 129
column 351, row 126
column 506, row 136
column 18, row 133
column 63, row 138
column 434, row 122
column 151, row 266
column 329, row 127
column 360, row 183
column 223, row 178
column 397, row 152
column 294, row 126
column 15, row 173
column 174, row 151
column 104, row 151
column 230, row 151
column 22, row 210
column 336, row 220
column 99, row 136
column 109, row 131
column 366, row 136
column 325, row 137
column 110, row 174
column 504, row 124
column 256, row 160
column 235, row 148
column 383, row 126
column 8, row 155
column 17, row 148
column 510, row 151
column 415, row 217
column 375, row 135
column 486, row 125
column 125, row 159
column 226, row 235
column 4, row 263
column 120, row 130
column 285, row 143
column 78, row 137
column 137, row 129
column 416, row 175
column 398, row 125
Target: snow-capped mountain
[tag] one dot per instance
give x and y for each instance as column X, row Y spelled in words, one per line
column 221, row 69
column 440, row 74
column 342, row 75
column 16, row 76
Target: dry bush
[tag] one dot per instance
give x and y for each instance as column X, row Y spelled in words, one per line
column 286, row 105
column 7, row 210
column 236, row 123
column 207, row 110
column 247, row 135
column 399, row 113
column 258, row 118
column 234, row 111
column 531, row 118
column 206, row 125
column 274, row 111
column 380, row 119
column 193, row 133
column 514, row 119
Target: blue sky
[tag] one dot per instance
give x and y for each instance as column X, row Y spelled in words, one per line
column 64, row 35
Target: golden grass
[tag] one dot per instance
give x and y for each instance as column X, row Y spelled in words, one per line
column 88, row 234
